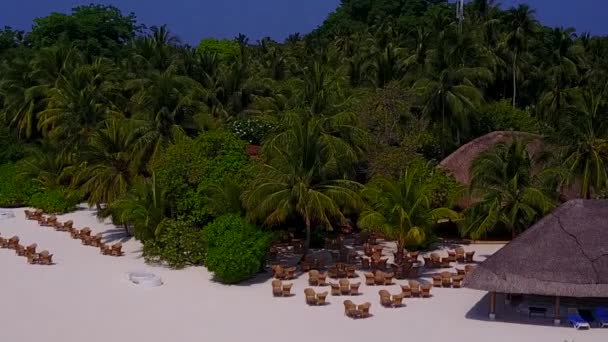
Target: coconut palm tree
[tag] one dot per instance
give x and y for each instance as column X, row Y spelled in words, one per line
column 510, row 195
column 401, row 209
column 521, row 27
column 106, row 172
column 304, row 178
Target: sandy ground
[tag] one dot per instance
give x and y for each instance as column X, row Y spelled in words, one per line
column 87, row 297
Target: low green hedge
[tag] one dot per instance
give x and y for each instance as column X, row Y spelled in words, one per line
column 177, row 243
column 58, row 200
column 15, row 189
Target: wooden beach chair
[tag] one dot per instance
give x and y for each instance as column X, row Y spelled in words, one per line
column 322, row 277
column 415, row 287
column 406, row 291
column 460, row 257
column 96, row 240
column 290, row 273
column 335, row 289
column 287, row 290
column 379, row 278
column 469, row 257
column 436, row 280
column 397, row 301
column 457, row 281
column 425, row 290
column 388, row 278
column 354, row 289
column 363, row 310
column 20, row 250
column 3, row 242
column 446, row 279
column 31, row 249
column 344, row 287
column 105, row 249
column 277, row 288
column 13, row 242
column 116, row 249
column 350, row 309
column 313, row 277
column 33, row 258
column 385, row 298
column 310, row 296
column 321, row 298
column 370, row 279
column 45, row 258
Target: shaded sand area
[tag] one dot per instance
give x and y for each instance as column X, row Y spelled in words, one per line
column 86, row 296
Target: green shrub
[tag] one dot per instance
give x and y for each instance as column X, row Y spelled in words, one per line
column 15, row 188
column 235, row 248
column 177, row 243
column 501, row 116
column 190, row 168
column 57, row 200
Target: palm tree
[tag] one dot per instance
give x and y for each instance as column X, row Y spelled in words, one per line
column 401, row 209
column 521, row 26
column 584, row 142
column 106, row 172
column 303, row 178
column 510, row 194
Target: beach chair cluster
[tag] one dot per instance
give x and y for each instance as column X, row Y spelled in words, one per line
column 600, row 314
column 280, row 289
column 448, row 279
column 83, row 234
column 379, row 278
column 458, row 255
column 342, row 270
column 29, row 252
column 354, row 311
column 345, row 288
column 315, row 299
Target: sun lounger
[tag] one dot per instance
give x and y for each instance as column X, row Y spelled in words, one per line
column 313, row 277
column 116, row 249
column 370, row 279
column 105, row 249
column 437, row 280
column 385, row 298
column 379, row 278
column 278, row 272
column 335, row 289
column 344, row 287
column 321, row 298
column 452, row 256
column 3, row 242
column 406, row 291
column 460, row 256
column 457, row 281
column 415, row 287
column 310, row 296
column 277, row 288
column 33, row 258
column 20, row 250
column 96, row 240
column 601, row 316
column 397, row 300
column 363, row 310
column 576, row 320
column 290, row 273
column 45, row 258
column 388, row 278
column 13, row 242
column 425, row 290
column 446, row 279
column 350, row 309
column 469, row 257
column 287, row 290
column 354, row 289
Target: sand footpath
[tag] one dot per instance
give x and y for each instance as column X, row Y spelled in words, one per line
column 86, row 297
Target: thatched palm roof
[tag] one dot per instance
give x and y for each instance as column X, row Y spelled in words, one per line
column 564, row 254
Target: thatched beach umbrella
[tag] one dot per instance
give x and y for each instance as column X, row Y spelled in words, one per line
column 564, row 255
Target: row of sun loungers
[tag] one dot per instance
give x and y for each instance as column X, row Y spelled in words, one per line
column 83, row 234
column 42, row 258
column 578, row 322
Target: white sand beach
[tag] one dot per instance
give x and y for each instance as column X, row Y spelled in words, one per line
column 86, row 297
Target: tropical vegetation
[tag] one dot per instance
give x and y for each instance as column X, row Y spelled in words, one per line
column 336, row 130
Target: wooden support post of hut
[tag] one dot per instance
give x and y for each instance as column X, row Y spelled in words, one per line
column 492, row 306
column 556, row 320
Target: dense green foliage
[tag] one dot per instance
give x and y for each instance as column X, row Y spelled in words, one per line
column 15, row 190
column 154, row 133
column 177, row 243
column 236, row 249
column 57, row 200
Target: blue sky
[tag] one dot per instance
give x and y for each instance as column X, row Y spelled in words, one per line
column 192, row 20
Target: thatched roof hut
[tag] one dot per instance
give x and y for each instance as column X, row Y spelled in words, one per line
column 564, row 254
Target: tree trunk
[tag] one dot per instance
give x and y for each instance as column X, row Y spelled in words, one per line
column 308, row 235
column 514, row 79
column 98, row 206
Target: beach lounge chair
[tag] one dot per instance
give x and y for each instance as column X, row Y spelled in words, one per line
column 278, row 272
column 344, row 287
column 3, row 242
column 425, row 290
column 313, row 277
column 354, row 289
column 335, row 289
column 445, row 262
column 33, row 258
column 116, row 249
column 406, row 291
column 365, row 263
column 452, row 256
column 415, row 288
column 67, row 226
column 277, row 288
column 446, row 279
column 363, row 310
column 601, row 316
column 350, row 272
column 85, row 233
column 576, row 320
column 397, row 300
column 290, row 273
column 31, row 249
column 350, row 309
column 45, row 258
column 469, row 257
column 385, row 298
column 321, row 298
column 287, row 290
column 96, row 240
column 370, row 279
column 460, row 271
column 13, row 242
column 437, row 280
column 75, row 233
column 310, row 296
column 105, row 249
column 460, row 257
column 388, row 278
column 20, row 250
column 379, row 278
column 457, row 281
